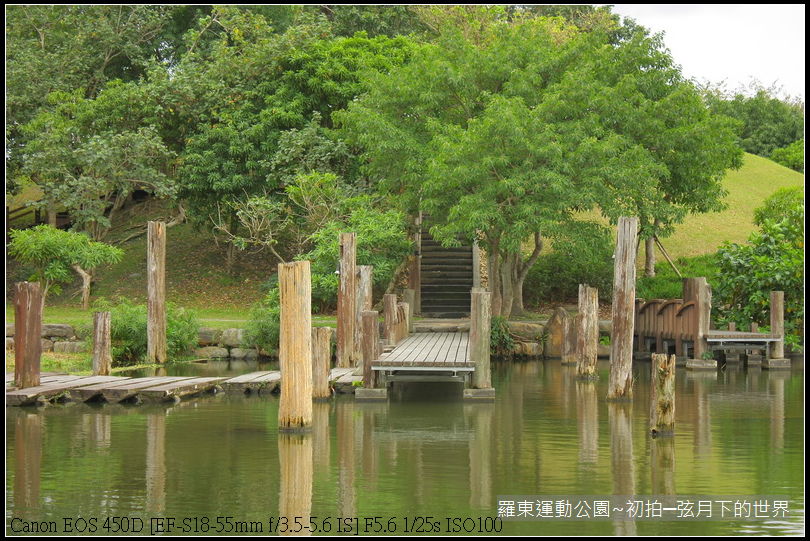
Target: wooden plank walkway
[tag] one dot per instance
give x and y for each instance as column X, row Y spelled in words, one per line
column 115, row 389
column 429, row 351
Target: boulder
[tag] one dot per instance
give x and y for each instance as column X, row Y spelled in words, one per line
column 57, row 330
column 70, row 347
column 208, row 336
column 212, row 352
column 9, row 329
column 242, row 353
column 231, row 338
column 529, row 331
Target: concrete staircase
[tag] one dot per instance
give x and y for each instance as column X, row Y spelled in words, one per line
column 447, row 278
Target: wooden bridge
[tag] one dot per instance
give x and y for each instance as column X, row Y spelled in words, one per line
column 684, row 327
column 427, row 356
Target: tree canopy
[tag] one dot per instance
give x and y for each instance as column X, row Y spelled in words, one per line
column 507, row 136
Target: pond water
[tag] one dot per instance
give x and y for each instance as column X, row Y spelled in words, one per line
column 424, row 462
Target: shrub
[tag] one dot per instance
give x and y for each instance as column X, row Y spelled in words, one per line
column 264, row 324
column 666, row 284
column 772, row 260
column 128, row 332
column 584, row 255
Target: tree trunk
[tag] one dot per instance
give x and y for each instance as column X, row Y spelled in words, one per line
column 494, row 275
column 649, row 257
column 87, row 279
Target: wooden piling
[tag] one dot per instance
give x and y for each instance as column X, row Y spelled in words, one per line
column 778, row 323
column 587, row 331
column 370, row 337
column 27, row 334
column 102, row 343
column 662, row 395
column 620, row 385
column 390, row 318
column 321, row 362
column 698, row 291
column 347, row 302
column 408, row 298
column 480, row 337
column 156, row 292
column 295, row 347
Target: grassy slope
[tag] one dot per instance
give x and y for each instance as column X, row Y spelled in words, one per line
column 196, row 276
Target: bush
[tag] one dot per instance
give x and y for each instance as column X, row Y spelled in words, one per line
column 128, row 332
column 264, row 324
column 666, row 284
column 583, row 256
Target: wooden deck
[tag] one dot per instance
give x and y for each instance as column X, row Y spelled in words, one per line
column 114, row 389
column 429, row 351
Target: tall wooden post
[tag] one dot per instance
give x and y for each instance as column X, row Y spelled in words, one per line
column 698, row 290
column 390, row 318
column 662, row 395
column 364, row 299
column 321, row 357
column 295, row 346
column 102, row 343
column 370, row 325
column 156, row 292
column 27, row 334
column 778, row 323
column 480, row 337
column 588, row 331
column 415, row 270
column 620, row 385
column 408, row 298
column 347, row 303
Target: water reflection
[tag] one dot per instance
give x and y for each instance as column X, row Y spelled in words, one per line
column 424, row 453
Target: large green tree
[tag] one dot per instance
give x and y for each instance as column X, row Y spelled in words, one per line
column 505, row 131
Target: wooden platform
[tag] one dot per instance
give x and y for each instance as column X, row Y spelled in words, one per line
column 429, row 351
column 115, row 389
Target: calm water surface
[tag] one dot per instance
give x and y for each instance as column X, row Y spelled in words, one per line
column 425, row 462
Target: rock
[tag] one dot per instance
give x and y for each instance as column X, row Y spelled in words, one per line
column 554, row 340
column 208, row 336
column 231, row 338
column 70, row 347
column 57, row 330
column 527, row 330
column 9, row 329
column 242, row 353
column 9, row 343
column 212, row 352
column 47, row 345
column 528, row 349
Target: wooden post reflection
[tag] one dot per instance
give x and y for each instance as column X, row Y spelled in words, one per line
column 622, row 464
column 480, row 454
column 347, row 497
column 27, row 463
column 588, row 422
column 295, row 496
column 155, row 462
column 662, row 465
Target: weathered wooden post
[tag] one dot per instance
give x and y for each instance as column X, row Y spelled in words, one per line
column 102, row 343
column 778, row 323
column 698, row 290
column 480, row 338
column 662, row 395
column 347, row 303
column 408, row 298
column 390, row 318
column 620, row 385
column 369, row 324
column 415, row 270
column 295, row 347
column 588, row 331
column 321, row 357
column 156, row 292
column 27, row 334
column 568, row 345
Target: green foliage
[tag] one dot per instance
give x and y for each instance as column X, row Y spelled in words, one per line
column 583, row 255
column 772, row 260
column 766, row 122
column 53, row 253
column 129, row 332
column 502, row 344
column 264, row 323
column 791, row 156
column 666, row 284
column 381, row 242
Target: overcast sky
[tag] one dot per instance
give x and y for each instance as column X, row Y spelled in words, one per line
column 734, row 43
